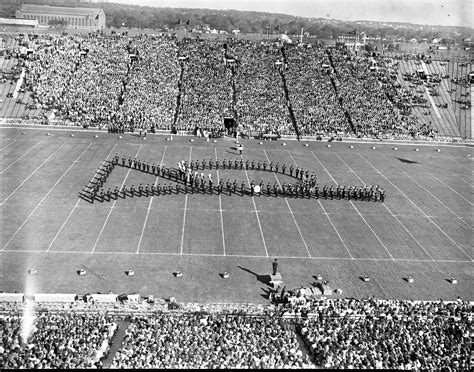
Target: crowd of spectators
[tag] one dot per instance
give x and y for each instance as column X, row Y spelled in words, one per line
column 209, row 341
column 363, row 91
column 260, row 104
column 80, row 78
column 206, row 95
column 338, row 333
column 312, row 96
column 151, row 90
column 166, row 83
column 64, row 340
column 374, row 333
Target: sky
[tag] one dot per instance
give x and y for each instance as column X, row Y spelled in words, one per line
column 432, row 12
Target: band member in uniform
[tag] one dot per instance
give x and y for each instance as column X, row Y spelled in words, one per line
column 247, row 162
column 241, row 164
column 283, row 168
column 277, row 165
column 264, row 166
column 252, row 185
column 223, row 164
column 242, row 188
column 253, row 164
column 221, row 186
column 147, row 190
column 203, row 164
column 269, row 188
column 297, row 171
column 211, row 188
column 210, row 163
column 259, row 165
column 291, row 170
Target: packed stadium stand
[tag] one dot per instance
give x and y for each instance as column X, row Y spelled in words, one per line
column 296, row 331
column 269, row 88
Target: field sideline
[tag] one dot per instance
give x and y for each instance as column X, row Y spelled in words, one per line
column 424, row 228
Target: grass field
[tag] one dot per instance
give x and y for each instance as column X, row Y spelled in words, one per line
column 423, row 229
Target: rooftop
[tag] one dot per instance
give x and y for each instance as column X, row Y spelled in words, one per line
column 33, row 8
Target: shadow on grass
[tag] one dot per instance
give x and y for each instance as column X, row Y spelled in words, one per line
column 265, row 279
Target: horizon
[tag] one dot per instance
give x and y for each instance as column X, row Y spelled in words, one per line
column 423, row 12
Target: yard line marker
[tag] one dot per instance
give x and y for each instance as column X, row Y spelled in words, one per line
column 149, row 205
column 327, row 215
column 113, row 205
column 185, row 207
column 396, row 217
column 32, row 173
column 220, row 206
column 44, row 197
column 289, row 208
column 375, row 234
column 11, row 143
column 31, row 148
column 239, row 256
column 449, row 187
column 434, row 196
column 329, row 174
column 256, row 213
column 72, row 210
column 431, row 220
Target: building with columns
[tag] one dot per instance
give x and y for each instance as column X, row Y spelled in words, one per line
column 77, row 18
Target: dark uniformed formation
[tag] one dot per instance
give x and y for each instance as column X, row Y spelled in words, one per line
column 188, row 179
column 115, row 128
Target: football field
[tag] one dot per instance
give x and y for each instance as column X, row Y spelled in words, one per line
column 424, row 228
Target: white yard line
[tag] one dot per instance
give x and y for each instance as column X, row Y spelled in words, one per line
column 371, row 229
column 32, row 173
column 289, row 208
column 113, row 205
column 7, row 146
column 72, row 210
column 357, row 210
column 238, row 256
column 389, row 211
column 149, row 205
column 327, row 216
column 434, row 196
column 322, row 165
column 31, row 148
column 220, row 205
column 417, row 207
column 185, row 208
column 44, row 197
column 256, row 213
column 449, row 187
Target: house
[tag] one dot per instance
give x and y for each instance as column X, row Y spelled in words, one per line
column 79, row 18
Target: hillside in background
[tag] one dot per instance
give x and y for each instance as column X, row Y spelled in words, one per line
column 121, row 15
